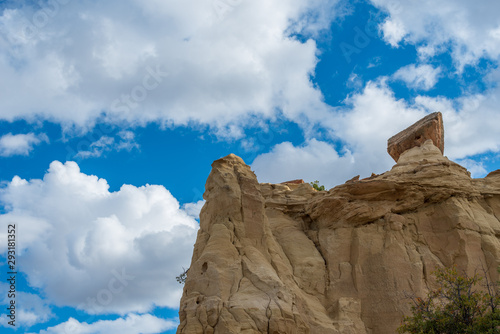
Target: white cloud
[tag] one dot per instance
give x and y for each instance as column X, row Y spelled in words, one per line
column 314, row 160
column 476, row 168
column 470, row 28
column 194, row 209
column 370, row 117
column 122, row 250
column 374, row 115
column 132, row 324
column 393, row 31
column 165, row 61
column 470, row 122
column 422, row 77
column 20, row 144
column 126, row 141
column 248, row 145
column 97, row 148
column 354, row 81
column 30, row 308
column 368, row 120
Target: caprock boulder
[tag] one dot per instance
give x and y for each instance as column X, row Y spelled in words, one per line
column 430, row 127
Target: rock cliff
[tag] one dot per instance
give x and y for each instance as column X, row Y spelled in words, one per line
column 285, row 258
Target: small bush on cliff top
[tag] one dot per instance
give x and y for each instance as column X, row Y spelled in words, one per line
column 316, row 186
column 455, row 307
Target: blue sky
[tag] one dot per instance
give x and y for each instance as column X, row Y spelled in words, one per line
column 111, row 113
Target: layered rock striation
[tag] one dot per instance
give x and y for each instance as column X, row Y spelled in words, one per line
column 284, row 258
column 429, row 127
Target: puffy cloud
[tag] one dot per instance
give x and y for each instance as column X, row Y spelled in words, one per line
column 422, row 77
column 370, row 117
column 99, row 251
column 20, row 144
column 471, row 29
column 132, row 324
column 31, row 309
column 368, row 120
column 393, row 31
column 314, row 160
column 375, row 114
column 470, row 122
column 211, row 62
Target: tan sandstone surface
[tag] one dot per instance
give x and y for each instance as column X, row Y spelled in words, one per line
column 429, row 127
column 284, row 258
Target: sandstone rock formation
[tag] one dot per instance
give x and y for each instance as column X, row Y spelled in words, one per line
column 429, row 127
column 298, row 181
column 274, row 259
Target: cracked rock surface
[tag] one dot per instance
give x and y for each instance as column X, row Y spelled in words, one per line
column 284, row 258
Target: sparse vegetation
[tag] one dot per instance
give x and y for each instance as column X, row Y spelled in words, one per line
column 316, row 186
column 456, row 306
column 182, row 277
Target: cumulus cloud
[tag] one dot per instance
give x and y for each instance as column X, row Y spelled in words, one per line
column 20, row 144
column 99, row 251
column 314, row 160
column 375, row 114
column 423, row 77
column 470, row 122
column 132, row 324
column 393, row 31
column 471, row 29
column 31, row 309
column 166, row 61
column 369, row 118
column 372, row 115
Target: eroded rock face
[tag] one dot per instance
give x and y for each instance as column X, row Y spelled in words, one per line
column 429, row 127
column 275, row 259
